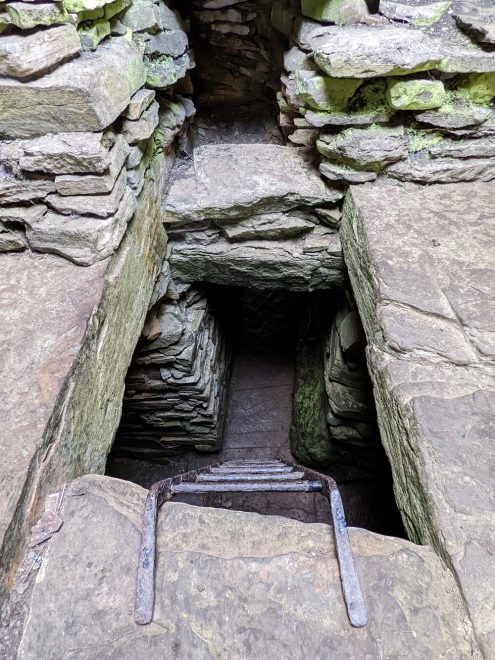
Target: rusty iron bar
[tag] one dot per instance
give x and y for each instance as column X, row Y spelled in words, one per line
column 248, row 487
column 315, row 482
column 288, row 476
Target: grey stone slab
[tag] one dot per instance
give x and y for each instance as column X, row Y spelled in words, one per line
column 17, row 188
column 94, row 184
column 343, row 173
column 141, row 100
column 92, row 89
column 270, row 567
column 419, row 168
column 366, row 52
column 84, row 240
column 11, row 241
column 270, row 226
column 25, row 215
column 65, row 153
column 420, row 264
column 141, row 129
column 24, row 55
column 297, row 264
column 94, row 205
column 234, row 180
column 58, row 420
column 371, row 148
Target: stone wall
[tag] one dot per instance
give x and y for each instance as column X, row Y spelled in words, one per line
column 87, row 100
column 404, row 89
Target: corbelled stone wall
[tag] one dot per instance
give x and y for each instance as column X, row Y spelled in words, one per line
column 87, row 101
column 404, row 89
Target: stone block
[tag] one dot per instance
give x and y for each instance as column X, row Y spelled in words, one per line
column 340, row 12
column 138, row 104
column 26, row 55
column 141, row 129
column 94, row 184
column 86, row 94
column 416, row 94
column 91, row 35
column 324, row 93
column 29, row 15
column 96, row 205
column 65, row 153
column 365, row 148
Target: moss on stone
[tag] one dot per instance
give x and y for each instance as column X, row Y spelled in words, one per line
column 93, row 33
column 160, row 71
column 335, row 11
column 415, row 94
column 419, row 139
column 323, row 92
column 26, row 16
column 478, row 87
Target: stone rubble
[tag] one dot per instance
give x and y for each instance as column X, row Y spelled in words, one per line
column 177, row 385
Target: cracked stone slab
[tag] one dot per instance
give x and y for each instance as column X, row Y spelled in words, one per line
column 230, row 580
column 233, row 180
column 93, row 90
column 24, row 55
column 420, row 168
column 420, row 264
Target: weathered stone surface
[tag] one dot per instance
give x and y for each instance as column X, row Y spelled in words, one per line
column 418, row 15
column 93, row 90
column 270, row 567
column 421, row 169
column 14, row 189
column 420, row 264
column 311, row 262
column 93, row 33
column 28, row 15
column 364, row 52
column 232, row 180
column 416, row 94
column 324, row 93
column 141, row 129
column 340, row 12
column 96, row 205
column 367, row 148
column 335, row 172
column 139, row 102
column 22, row 55
column 478, row 21
column 84, row 240
column 457, row 112
column 480, row 148
column 65, row 153
column 270, row 226
column 11, row 241
column 57, row 417
column 480, row 87
column 25, row 215
column 94, row 184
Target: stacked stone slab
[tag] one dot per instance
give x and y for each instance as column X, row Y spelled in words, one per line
column 78, row 129
column 176, row 387
column 406, row 91
column 252, row 215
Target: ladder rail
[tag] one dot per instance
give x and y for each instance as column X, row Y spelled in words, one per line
column 188, row 482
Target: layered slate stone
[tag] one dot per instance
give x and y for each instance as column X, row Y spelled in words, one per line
column 420, row 262
column 22, row 55
column 67, row 338
column 229, row 580
column 92, row 90
column 232, row 180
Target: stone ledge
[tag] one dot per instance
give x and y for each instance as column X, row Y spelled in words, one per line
column 420, row 263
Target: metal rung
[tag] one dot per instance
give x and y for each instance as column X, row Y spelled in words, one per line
column 252, row 470
column 294, row 476
column 247, row 487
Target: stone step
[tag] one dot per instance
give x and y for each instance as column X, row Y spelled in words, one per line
column 251, row 476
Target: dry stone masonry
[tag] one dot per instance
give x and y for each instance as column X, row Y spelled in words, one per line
column 86, row 104
column 404, row 89
column 322, row 125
